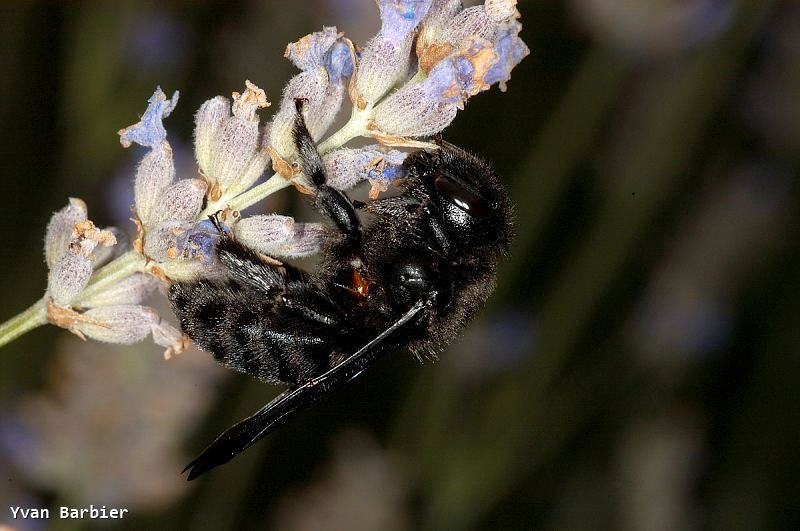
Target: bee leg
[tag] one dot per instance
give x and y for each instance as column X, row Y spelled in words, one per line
column 330, row 202
column 248, row 269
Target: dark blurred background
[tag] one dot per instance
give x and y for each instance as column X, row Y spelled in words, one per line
column 635, row 369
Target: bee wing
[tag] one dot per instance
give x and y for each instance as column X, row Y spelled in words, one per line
column 241, row 436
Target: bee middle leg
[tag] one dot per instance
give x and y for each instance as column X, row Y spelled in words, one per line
column 331, row 202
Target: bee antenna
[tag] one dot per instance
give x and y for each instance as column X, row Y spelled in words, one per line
column 214, row 218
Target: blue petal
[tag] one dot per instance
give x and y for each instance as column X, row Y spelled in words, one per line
column 199, row 241
column 323, row 48
column 149, row 131
column 400, row 17
column 442, row 83
column 309, row 52
column 340, row 62
column 510, row 50
column 391, row 169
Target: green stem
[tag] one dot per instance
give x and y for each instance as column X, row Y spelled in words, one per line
column 250, row 197
column 355, row 127
column 36, row 315
column 23, row 323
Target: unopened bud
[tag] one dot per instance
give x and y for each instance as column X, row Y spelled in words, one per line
column 60, row 229
column 155, row 173
column 238, row 139
column 182, row 201
column 208, row 121
column 68, row 276
column 123, row 324
column 280, row 236
column 133, row 289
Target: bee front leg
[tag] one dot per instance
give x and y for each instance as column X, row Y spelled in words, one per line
column 330, row 202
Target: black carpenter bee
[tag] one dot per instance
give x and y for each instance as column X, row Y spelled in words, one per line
column 411, row 278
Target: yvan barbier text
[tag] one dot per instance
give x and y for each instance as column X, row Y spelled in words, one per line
column 69, row 513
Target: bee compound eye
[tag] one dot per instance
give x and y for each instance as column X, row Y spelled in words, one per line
column 462, row 197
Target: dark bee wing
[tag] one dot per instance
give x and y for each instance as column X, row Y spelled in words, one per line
column 241, row 436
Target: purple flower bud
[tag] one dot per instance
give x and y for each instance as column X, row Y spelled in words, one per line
column 401, row 17
column 386, row 60
column 149, row 131
column 493, row 22
column 155, row 173
column 130, row 290
column 348, row 167
column 68, row 276
column 198, row 241
column 280, row 236
column 174, row 241
column 340, row 64
column 123, row 324
column 180, row 202
column 60, row 229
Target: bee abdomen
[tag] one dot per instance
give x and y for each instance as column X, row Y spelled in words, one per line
column 245, row 334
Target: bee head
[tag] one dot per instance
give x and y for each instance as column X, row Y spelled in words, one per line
column 464, row 195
